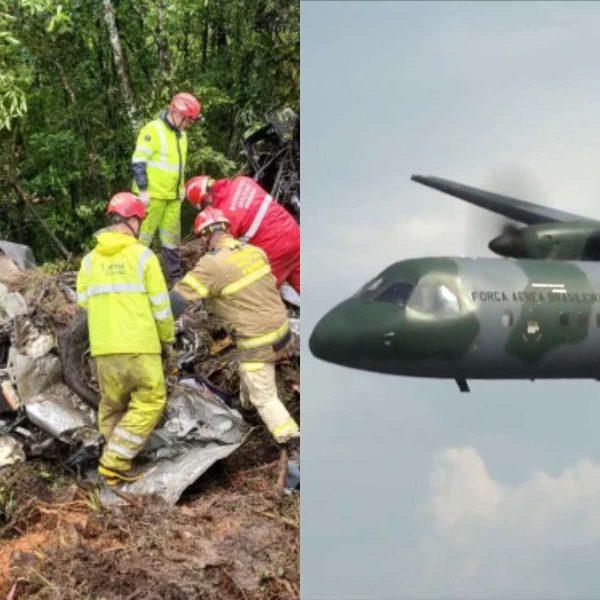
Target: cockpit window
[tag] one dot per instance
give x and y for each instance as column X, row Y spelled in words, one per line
column 370, row 288
column 434, row 299
column 381, row 290
column 422, row 298
column 395, row 293
column 446, row 301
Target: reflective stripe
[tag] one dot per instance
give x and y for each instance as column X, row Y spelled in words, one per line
column 196, row 285
column 144, row 150
column 167, row 234
column 251, row 366
column 168, row 239
column 258, row 219
column 164, row 165
column 287, row 427
column 139, row 159
column 82, row 298
column 245, row 281
column 87, row 262
column 159, row 298
column 118, row 288
column 162, row 314
column 263, row 340
column 121, row 450
column 134, row 438
column 144, row 256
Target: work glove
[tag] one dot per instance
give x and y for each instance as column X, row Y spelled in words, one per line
column 292, row 479
column 293, row 448
column 169, row 358
column 144, row 196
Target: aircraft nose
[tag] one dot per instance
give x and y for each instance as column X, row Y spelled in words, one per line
column 334, row 335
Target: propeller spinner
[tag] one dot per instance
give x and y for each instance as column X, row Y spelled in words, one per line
column 509, row 243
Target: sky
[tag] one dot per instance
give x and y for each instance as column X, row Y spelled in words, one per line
column 410, row 488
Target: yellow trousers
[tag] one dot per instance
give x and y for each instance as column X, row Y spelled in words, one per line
column 258, row 389
column 133, row 397
column 164, row 215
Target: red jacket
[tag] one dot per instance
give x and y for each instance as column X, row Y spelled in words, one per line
column 257, row 218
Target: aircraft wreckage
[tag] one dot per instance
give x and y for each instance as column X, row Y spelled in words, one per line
column 48, row 394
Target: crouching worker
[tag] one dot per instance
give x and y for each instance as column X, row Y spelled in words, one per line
column 121, row 285
column 236, row 281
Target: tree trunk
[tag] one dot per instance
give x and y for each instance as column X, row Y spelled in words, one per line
column 120, row 62
column 234, row 138
column 204, row 36
column 164, row 54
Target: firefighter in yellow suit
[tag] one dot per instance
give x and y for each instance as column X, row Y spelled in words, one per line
column 121, row 285
column 235, row 280
column 158, row 165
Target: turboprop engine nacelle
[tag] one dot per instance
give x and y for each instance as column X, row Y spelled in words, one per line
column 579, row 240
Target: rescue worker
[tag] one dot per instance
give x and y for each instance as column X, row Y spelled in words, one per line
column 121, row 285
column 158, row 165
column 254, row 216
column 235, row 280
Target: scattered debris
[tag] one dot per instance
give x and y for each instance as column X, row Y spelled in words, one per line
column 199, row 429
column 56, row 533
column 11, row 401
column 21, row 255
column 11, row 451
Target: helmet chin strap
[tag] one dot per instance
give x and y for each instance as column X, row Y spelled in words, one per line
column 181, row 120
column 133, row 233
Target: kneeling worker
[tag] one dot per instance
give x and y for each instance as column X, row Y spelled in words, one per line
column 121, row 285
column 255, row 217
column 236, row 280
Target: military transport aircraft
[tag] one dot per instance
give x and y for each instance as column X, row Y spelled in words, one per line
column 533, row 316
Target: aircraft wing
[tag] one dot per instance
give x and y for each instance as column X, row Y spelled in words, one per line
column 513, row 208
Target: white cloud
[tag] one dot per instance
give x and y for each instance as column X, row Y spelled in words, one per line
column 490, row 539
column 463, row 489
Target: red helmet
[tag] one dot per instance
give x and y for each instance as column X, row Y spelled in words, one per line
column 210, row 216
column 127, row 205
column 197, row 189
column 186, row 105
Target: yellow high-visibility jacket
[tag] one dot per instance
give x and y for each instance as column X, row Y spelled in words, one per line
column 159, row 160
column 236, row 280
column 121, row 285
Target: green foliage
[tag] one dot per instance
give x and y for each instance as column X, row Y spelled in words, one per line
column 13, row 100
column 60, row 22
column 55, row 267
column 65, row 137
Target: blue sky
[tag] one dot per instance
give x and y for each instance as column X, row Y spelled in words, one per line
column 411, row 489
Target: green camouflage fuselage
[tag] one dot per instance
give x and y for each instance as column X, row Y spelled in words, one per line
column 470, row 318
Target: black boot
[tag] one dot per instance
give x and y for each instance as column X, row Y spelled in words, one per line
column 172, row 263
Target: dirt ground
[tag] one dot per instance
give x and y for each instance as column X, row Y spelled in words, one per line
column 229, row 537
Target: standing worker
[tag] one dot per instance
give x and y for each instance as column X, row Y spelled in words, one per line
column 236, row 281
column 121, row 285
column 158, row 165
column 254, row 217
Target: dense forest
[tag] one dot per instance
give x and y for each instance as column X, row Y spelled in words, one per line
column 79, row 77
